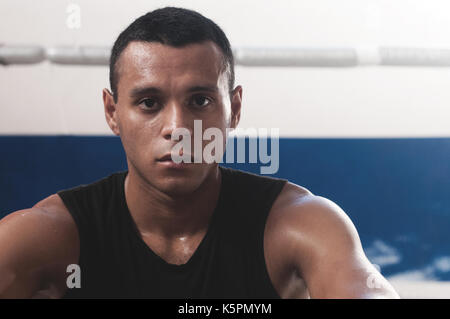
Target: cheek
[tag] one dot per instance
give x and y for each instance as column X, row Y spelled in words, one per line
column 137, row 134
column 220, row 123
column 133, row 123
column 220, row 117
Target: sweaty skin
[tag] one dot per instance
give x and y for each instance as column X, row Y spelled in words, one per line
column 311, row 247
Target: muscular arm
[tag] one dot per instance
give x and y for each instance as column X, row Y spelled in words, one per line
column 36, row 245
column 325, row 250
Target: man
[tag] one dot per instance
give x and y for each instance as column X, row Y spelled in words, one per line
column 189, row 230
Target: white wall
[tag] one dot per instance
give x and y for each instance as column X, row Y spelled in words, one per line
column 302, row 102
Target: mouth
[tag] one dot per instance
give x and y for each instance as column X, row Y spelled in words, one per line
column 168, row 158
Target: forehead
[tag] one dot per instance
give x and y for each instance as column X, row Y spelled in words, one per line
column 143, row 63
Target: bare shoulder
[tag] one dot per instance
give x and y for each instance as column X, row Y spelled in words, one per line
column 297, row 209
column 54, row 208
column 315, row 239
column 303, row 226
column 36, row 245
column 49, row 218
column 51, row 207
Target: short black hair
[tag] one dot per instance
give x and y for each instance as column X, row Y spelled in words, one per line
column 176, row 27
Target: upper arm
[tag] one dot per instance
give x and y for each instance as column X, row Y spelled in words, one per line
column 327, row 252
column 36, row 245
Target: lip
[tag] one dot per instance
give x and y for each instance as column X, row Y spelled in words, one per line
column 166, row 161
column 171, row 164
column 168, row 158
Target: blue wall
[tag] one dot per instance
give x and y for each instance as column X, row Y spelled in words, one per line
column 395, row 190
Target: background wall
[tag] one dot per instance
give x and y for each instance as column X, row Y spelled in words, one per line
column 365, row 101
column 376, row 140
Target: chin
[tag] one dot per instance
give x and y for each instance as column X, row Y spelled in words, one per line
column 178, row 186
column 185, row 183
column 176, row 182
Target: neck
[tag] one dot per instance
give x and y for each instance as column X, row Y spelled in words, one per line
column 172, row 216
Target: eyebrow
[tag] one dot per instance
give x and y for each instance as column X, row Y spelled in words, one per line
column 205, row 88
column 139, row 91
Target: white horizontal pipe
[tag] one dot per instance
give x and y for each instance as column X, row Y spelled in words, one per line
column 264, row 57
column 19, row 54
column 414, row 56
column 79, row 55
column 295, row 57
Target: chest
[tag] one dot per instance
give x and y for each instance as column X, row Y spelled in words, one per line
column 179, row 251
column 176, row 251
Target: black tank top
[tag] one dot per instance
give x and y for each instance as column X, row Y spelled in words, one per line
column 229, row 262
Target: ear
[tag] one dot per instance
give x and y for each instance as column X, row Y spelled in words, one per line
column 236, row 103
column 111, row 111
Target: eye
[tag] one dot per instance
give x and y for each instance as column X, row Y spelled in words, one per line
column 200, row 101
column 149, row 103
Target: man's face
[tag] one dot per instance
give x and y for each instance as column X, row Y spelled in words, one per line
column 162, row 88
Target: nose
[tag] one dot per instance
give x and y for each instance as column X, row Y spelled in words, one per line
column 174, row 116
